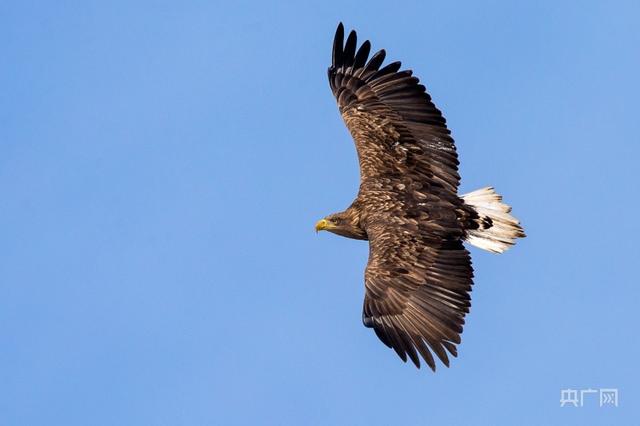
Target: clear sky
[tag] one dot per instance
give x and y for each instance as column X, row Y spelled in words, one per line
column 162, row 165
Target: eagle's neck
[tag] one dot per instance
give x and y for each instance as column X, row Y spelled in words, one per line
column 350, row 225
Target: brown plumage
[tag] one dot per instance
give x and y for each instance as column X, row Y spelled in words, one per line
column 419, row 274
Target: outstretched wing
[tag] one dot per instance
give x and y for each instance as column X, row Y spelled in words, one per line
column 419, row 274
column 390, row 116
column 417, row 290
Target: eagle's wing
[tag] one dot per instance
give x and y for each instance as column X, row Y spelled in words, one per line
column 417, row 290
column 419, row 274
column 390, row 116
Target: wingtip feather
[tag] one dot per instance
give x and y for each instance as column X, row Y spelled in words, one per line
column 338, row 41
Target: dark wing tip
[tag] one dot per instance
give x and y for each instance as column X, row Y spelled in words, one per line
column 338, row 40
column 349, row 52
column 451, row 348
column 367, row 320
column 362, row 55
column 376, row 60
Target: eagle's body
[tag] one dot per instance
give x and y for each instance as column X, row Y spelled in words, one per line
column 419, row 274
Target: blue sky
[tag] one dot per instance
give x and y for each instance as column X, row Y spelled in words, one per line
column 162, row 165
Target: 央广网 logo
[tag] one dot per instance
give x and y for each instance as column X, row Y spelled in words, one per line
column 578, row 397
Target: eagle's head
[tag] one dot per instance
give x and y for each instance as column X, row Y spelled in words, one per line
column 346, row 224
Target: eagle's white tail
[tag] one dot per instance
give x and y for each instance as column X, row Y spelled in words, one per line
column 498, row 229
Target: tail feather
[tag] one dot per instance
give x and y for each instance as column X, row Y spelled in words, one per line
column 497, row 230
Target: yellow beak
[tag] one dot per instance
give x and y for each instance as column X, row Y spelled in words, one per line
column 322, row 225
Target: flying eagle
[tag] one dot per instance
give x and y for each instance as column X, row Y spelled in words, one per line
column 419, row 276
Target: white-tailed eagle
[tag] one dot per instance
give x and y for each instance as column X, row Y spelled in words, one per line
column 419, row 276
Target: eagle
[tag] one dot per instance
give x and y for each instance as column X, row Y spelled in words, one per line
column 418, row 277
